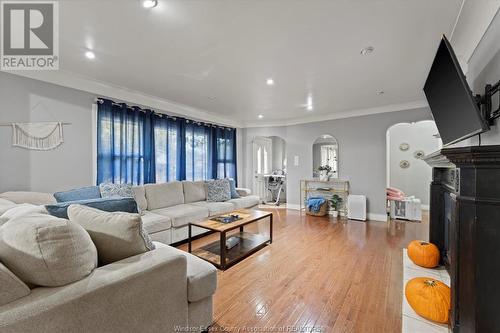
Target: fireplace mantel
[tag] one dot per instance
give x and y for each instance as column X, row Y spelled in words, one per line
column 465, row 225
column 438, row 160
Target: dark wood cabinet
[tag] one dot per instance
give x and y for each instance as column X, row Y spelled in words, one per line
column 465, row 225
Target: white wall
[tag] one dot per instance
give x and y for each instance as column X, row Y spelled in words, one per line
column 362, row 152
column 70, row 165
column 416, row 179
column 483, row 66
column 279, row 152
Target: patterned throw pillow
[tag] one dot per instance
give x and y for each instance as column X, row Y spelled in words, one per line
column 218, row 190
column 110, row 190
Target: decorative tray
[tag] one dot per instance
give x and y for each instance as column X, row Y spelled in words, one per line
column 227, row 218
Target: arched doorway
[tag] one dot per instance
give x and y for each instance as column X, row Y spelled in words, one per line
column 407, row 145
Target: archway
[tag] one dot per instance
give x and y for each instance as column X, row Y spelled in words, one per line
column 407, row 145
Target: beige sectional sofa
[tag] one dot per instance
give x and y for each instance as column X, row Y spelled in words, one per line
column 163, row 290
column 168, row 208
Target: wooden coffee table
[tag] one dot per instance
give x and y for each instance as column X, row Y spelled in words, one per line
column 216, row 252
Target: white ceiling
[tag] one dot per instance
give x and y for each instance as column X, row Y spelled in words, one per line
column 215, row 55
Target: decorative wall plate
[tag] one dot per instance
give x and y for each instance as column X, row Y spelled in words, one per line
column 404, row 164
column 419, row 154
column 404, row 146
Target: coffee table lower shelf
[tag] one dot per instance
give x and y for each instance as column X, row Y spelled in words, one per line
column 249, row 244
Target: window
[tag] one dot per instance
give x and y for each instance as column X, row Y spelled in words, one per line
column 166, row 132
column 197, row 152
column 139, row 146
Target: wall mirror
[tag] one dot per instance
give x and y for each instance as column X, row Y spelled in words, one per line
column 325, row 157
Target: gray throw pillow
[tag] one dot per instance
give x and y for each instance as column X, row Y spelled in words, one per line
column 218, row 190
column 110, row 190
column 46, row 251
column 116, row 235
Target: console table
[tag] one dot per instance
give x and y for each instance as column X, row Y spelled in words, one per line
column 324, row 188
column 465, row 225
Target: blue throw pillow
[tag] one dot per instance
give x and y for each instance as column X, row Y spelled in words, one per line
column 232, row 185
column 83, row 193
column 127, row 205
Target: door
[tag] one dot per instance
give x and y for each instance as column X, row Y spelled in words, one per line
column 262, row 157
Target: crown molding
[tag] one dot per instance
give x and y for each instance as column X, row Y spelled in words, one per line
column 341, row 115
column 104, row 89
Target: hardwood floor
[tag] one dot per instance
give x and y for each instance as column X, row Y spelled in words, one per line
column 319, row 275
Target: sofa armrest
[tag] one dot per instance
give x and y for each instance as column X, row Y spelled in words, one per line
column 148, row 289
column 243, row 192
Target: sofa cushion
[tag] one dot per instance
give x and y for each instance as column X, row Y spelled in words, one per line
column 47, row 251
column 164, row 195
column 140, row 198
column 5, row 205
column 183, row 214
column 82, row 193
column 243, row 192
column 194, row 191
column 201, row 275
column 34, row 198
column 218, row 190
column 116, row 235
column 126, row 205
column 215, row 207
column 245, row 202
column 155, row 222
column 23, row 209
column 164, row 236
column 11, row 287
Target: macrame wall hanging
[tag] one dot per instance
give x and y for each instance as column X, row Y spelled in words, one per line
column 37, row 136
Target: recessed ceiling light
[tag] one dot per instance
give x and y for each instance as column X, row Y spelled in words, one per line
column 90, row 55
column 270, row 82
column 149, row 3
column 367, row 50
column 309, row 104
column 260, row 116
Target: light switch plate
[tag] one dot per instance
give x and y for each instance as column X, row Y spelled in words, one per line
column 296, row 160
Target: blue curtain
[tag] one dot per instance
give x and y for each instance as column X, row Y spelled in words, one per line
column 224, row 159
column 138, row 146
column 125, row 143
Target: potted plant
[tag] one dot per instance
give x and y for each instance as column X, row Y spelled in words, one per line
column 324, row 172
column 335, row 202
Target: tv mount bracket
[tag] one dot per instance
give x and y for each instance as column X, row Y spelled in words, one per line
column 486, row 103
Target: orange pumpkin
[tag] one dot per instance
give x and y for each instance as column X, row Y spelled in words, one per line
column 423, row 253
column 429, row 298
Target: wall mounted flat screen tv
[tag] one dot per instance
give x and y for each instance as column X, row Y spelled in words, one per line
column 453, row 106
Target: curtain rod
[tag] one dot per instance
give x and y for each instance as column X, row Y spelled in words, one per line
column 199, row 123
column 38, row 122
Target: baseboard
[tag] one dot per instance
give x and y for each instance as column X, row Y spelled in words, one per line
column 292, row 206
column 377, row 217
column 370, row 216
